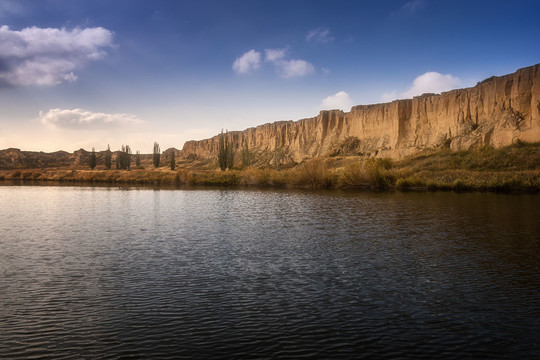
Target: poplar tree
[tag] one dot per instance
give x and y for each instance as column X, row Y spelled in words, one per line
column 156, row 156
column 222, row 152
column 246, row 155
column 173, row 161
column 93, row 161
column 123, row 161
column 138, row 158
column 108, row 158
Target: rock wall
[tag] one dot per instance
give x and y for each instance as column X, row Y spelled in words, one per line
column 497, row 112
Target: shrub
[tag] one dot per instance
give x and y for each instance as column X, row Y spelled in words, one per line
column 372, row 173
column 314, row 174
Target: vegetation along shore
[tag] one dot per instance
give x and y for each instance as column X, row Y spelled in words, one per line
column 514, row 168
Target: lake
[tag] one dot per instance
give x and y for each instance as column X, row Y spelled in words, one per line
column 114, row 273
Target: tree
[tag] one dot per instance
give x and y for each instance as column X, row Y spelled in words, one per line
column 93, row 161
column 222, row 154
column 127, row 157
column 246, row 155
column 230, row 155
column 225, row 152
column 123, row 160
column 156, row 156
column 138, row 158
column 108, row 158
column 173, row 161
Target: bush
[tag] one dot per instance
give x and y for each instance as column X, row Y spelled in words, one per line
column 372, row 173
column 314, row 174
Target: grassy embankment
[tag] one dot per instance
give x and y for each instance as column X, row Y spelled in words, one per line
column 514, row 168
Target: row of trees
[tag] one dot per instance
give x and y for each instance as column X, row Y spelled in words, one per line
column 123, row 160
column 226, row 153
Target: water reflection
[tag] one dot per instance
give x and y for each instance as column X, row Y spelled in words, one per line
column 109, row 273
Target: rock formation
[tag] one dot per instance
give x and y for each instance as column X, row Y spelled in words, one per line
column 497, row 112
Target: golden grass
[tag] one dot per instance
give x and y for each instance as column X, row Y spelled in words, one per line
column 511, row 169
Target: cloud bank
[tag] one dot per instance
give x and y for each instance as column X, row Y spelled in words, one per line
column 84, row 119
column 48, row 57
column 429, row 82
column 341, row 100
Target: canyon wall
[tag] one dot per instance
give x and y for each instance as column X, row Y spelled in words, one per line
column 497, row 112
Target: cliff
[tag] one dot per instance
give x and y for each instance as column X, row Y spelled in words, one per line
column 496, row 112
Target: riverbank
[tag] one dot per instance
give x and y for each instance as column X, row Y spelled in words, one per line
column 513, row 168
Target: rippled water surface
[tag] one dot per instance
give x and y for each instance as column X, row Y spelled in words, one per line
column 114, row 273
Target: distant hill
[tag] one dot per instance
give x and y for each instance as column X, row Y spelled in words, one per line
column 17, row 159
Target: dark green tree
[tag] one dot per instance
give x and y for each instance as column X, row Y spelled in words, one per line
column 93, row 161
column 108, row 158
column 123, row 160
column 127, row 157
column 225, row 152
column 138, row 158
column 156, row 156
column 172, row 164
column 246, row 155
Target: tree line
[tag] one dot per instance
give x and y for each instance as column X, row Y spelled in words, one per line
column 124, row 158
column 226, row 153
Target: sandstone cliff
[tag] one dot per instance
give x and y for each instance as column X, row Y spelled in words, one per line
column 496, row 112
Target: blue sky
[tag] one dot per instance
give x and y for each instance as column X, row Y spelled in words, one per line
column 81, row 73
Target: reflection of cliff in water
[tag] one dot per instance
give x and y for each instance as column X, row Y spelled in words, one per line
column 497, row 112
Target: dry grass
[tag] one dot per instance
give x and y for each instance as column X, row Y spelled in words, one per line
column 511, row 169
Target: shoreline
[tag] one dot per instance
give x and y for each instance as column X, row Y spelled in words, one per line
column 512, row 169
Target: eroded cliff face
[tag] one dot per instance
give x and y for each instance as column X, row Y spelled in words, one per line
column 497, row 112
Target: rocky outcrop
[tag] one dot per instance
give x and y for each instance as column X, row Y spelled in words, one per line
column 497, row 112
column 16, row 159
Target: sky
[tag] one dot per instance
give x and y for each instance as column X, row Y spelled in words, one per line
column 92, row 73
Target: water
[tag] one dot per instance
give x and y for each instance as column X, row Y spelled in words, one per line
column 110, row 273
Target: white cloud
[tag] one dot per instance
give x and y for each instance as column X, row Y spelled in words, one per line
column 274, row 55
column 251, row 60
column 47, row 57
column 288, row 68
column 320, row 35
column 432, row 82
column 295, row 68
column 429, row 82
column 340, row 100
column 84, row 119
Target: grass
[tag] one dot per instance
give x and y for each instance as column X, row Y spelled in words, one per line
column 513, row 168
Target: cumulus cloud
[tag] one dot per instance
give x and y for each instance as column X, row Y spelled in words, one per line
column 432, row 82
column 295, row 68
column 340, row 100
column 47, row 57
column 274, row 55
column 244, row 64
column 429, row 82
column 320, row 35
column 288, row 68
column 84, row 119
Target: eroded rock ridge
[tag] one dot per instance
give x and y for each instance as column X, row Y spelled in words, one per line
column 497, row 112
